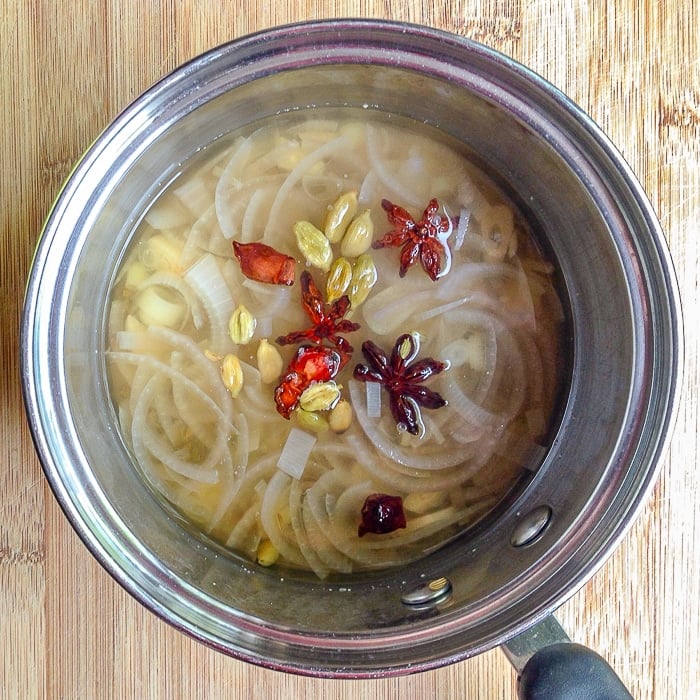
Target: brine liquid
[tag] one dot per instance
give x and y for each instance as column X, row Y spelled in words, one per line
column 291, row 491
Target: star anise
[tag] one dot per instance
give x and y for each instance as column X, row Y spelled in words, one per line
column 420, row 239
column 327, row 324
column 402, row 378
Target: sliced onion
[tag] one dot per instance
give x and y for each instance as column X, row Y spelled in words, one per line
column 343, row 535
column 470, row 197
column 325, row 151
column 207, row 282
column 233, row 190
column 166, row 417
column 321, row 555
column 136, row 341
column 439, row 310
column 439, row 458
column 318, row 548
column 149, row 366
column 368, row 189
column 170, row 280
column 279, row 154
column 235, row 473
column 255, row 215
column 408, row 172
column 199, row 362
column 471, row 412
column 146, row 442
column 391, row 308
column 304, row 540
column 158, row 306
column 268, row 299
column 144, row 371
column 462, row 323
column 214, row 396
column 245, row 536
column 168, row 212
column 324, row 188
column 205, row 235
column 386, row 172
column 276, row 498
column 239, row 528
column 194, row 194
column 191, row 410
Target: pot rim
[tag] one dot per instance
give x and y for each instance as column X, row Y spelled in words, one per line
column 336, row 37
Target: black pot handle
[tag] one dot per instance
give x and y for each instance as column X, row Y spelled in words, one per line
column 551, row 667
column 568, row 671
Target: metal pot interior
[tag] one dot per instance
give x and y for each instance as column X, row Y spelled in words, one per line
column 624, row 349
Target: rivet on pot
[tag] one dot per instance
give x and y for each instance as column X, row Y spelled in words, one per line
column 531, row 526
column 433, row 592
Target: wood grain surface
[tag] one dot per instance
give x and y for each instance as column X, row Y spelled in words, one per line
column 68, row 67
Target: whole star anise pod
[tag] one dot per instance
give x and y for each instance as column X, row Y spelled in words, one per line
column 420, row 239
column 402, row 378
column 326, row 324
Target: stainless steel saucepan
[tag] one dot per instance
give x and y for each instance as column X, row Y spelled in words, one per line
column 499, row 585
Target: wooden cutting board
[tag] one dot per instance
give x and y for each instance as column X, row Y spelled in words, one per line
column 68, row 66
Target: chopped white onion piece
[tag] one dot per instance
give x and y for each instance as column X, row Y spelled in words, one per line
column 439, row 310
column 462, row 225
column 295, row 453
column 374, row 399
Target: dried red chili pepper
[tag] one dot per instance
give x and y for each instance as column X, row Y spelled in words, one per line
column 312, row 363
column 402, row 378
column 319, row 364
column 381, row 514
column 263, row 263
column 326, row 324
column 422, row 239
